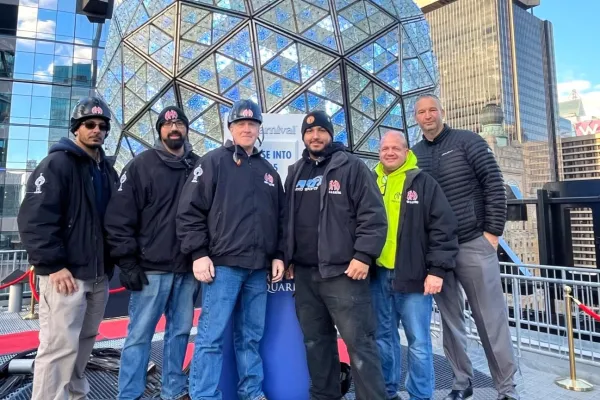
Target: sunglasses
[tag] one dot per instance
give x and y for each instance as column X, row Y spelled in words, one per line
column 92, row 124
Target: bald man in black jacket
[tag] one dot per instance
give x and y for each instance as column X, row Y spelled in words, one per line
column 466, row 169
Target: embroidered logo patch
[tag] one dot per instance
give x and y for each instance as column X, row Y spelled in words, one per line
column 197, row 173
column 122, row 180
column 412, row 197
column 97, row 110
column 171, row 115
column 334, row 187
column 269, row 180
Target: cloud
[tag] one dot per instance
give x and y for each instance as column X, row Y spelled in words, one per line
column 28, row 22
column 566, row 88
column 588, row 91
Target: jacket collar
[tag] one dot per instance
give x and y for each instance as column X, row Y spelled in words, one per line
column 439, row 138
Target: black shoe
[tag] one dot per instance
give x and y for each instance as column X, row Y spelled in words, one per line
column 508, row 398
column 465, row 394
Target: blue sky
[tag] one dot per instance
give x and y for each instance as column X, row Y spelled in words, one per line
column 576, row 46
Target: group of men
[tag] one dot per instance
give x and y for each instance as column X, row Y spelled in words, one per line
column 367, row 249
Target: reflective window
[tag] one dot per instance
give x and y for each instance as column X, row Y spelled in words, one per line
column 47, row 50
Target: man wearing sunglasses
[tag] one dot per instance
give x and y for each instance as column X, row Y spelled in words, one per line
column 61, row 227
column 141, row 235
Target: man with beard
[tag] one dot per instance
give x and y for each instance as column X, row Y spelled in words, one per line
column 336, row 228
column 230, row 220
column 141, row 234
column 61, row 227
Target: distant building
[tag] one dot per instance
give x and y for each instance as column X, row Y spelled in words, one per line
column 521, row 236
column 581, row 160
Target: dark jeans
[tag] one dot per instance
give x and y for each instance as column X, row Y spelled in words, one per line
column 321, row 306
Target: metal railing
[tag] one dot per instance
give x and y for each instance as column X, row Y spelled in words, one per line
column 12, row 260
column 536, row 310
column 534, row 299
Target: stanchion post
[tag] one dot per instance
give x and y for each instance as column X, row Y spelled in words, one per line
column 572, row 383
column 32, row 314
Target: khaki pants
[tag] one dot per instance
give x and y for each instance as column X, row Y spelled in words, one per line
column 68, row 330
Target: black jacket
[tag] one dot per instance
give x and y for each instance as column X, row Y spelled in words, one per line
column 352, row 221
column 140, row 219
column 427, row 243
column 232, row 214
column 59, row 222
column 466, row 169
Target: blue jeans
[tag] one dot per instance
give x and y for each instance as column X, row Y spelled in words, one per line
column 414, row 311
column 173, row 295
column 241, row 293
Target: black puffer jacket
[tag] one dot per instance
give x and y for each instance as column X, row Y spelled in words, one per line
column 466, row 169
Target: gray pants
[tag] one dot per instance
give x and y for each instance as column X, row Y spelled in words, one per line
column 478, row 272
column 68, row 330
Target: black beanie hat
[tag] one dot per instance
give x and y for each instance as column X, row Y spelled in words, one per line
column 171, row 113
column 317, row 118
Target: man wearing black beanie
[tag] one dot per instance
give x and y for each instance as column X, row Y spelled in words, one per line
column 140, row 224
column 336, row 227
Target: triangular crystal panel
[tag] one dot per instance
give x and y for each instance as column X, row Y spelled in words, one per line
column 359, row 21
column 200, row 29
column 309, row 18
column 233, row 5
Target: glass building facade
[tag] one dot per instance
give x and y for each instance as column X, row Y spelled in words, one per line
column 364, row 62
column 49, row 58
column 472, row 42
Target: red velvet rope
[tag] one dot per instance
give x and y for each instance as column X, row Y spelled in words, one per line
column 586, row 309
column 32, row 286
column 19, row 279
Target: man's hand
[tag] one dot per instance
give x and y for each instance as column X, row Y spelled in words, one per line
column 277, row 270
column 433, row 284
column 492, row 239
column 64, row 282
column 204, row 270
column 289, row 274
column 133, row 277
column 357, row 270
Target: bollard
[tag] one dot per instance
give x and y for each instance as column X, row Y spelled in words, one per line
column 572, row 383
column 15, row 298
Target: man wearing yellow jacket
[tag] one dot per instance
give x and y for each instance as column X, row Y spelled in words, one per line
column 420, row 249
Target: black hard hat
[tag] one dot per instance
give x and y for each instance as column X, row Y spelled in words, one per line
column 89, row 107
column 244, row 109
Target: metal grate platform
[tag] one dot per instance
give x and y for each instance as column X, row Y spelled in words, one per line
column 104, row 384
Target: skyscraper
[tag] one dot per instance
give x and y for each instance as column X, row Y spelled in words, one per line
column 479, row 45
column 48, row 56
column 477, row 58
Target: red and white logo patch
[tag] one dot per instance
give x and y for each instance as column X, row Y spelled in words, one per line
column 334, row 187
column 247, row 113
column 97, row 110
column 171, row 115
column 412, row 197
column 269, row 180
